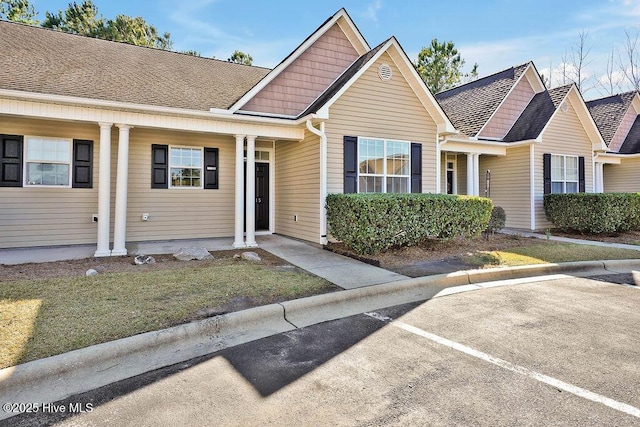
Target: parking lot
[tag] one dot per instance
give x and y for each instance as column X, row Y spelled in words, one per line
column 561, row 352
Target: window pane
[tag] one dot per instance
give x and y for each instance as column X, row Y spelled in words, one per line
column 397, row 185
column 572, row 169
column 48, row 149
column 370, row 184
column 47, row 174
column 557, row 168
column 557, row 187
column 370, row 156
column 572, row 187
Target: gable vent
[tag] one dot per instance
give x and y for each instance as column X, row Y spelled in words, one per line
column 384, row 72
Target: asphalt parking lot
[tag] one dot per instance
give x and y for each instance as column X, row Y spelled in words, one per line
column 554, row 352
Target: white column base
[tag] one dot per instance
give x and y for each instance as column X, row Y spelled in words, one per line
column 99, row 254
column 239, row 245
column 252, row 244
column 118, row 252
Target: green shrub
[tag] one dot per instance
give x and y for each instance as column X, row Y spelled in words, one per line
column 497, row 220
column 371, row 223
column 594, row 213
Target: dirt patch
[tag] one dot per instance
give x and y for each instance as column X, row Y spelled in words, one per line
column 47, row 270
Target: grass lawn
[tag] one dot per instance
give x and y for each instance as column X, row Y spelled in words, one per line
column 541, row 253
column 44, row 317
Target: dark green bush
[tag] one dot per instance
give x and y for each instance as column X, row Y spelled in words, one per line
column 594, row 213
column 371, row 223
column 497, row 220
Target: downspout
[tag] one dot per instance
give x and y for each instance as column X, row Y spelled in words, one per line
column 532, row 186
column 323, row 178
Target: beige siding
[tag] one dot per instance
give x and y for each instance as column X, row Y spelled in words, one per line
column 462, row 174
column 298, row 188
column 48, row 216
column 295, row 88
column 178, row 213
column 512, row 107
column 564, row 135
column 510, row 181
column 622, row 178
column 623, row 129
column 381, row 109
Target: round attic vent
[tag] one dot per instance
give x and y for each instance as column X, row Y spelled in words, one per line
column 564, row 107
column 384, row 72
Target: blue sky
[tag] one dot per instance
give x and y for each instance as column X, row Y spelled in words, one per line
column 494, row 33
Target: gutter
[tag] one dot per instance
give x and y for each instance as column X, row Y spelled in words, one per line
column 323, row 178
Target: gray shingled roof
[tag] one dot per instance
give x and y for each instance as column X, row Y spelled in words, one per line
column 470, row 106
column 45, row 61
column 631, row 144
column 608, row 113
column 536, row 115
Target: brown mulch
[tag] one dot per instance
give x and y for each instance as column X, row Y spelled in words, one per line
column 46, row 270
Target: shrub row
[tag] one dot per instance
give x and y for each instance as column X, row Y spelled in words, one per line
column 594, row 213
column 371, row 223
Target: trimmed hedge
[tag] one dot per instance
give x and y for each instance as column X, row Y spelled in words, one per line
column 371, row 223
column 594, row 213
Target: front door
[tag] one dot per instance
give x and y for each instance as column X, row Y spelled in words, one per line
column 262, row 196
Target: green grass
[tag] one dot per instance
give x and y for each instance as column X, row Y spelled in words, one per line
column 541, row 253
column 40, row 318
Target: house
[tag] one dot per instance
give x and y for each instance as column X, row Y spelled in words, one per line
column 617, row 118
column 517, row 142
column 104, row 143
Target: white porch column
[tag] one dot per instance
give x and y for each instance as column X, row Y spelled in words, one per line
column 122, row 177
column 251, row 192
column 599, row 178
column 238, row 241
column 104, row 191
column 470, row 180
column 476, row 174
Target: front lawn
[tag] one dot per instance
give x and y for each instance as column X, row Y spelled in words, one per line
column 64, row 310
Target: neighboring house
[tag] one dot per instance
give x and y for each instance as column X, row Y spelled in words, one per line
column 518, row 141
column 618, row 118
column 158, row 145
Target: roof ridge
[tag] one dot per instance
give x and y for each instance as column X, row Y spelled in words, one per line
column 514, row 67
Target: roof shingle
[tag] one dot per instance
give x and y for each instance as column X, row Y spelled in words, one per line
column 51, row 62
column 631, row 144
column 471, row 105
column 608, row 113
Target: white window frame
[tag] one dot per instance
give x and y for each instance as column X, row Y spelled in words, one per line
column 26, row 161
column 384, row 174
column 201, row 167
column 564, row 179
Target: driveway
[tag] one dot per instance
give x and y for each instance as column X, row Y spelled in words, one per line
column 557, row 352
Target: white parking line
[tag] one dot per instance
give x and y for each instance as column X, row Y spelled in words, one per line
column 578, row 391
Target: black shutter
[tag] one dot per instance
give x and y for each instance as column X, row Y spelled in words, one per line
column 159, row 166
column 11, row 160
column 211, row 168
column 350, row 164
column 416, row 168
column 581, row 184
column 82, row 164
column 546, row 167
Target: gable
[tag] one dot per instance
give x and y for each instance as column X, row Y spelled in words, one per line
column 302, row 81
column 511, row 108
column 565, row 133
column 623, row 129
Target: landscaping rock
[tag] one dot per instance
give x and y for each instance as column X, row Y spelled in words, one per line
column 251, row 256
column 91, row 272
column 144, row 259
column 187, row 254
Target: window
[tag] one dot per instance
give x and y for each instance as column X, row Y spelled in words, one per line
column 564, row 174
column 48, row 161
column 384, row 166
column 185, row 165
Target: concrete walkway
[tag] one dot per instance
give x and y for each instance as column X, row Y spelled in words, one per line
column 337, row 269
column 525, row 233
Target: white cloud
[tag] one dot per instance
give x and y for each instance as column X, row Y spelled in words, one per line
column 372, row 10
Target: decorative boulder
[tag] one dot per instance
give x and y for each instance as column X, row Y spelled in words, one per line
column 91, row 272
column 251, row 256
column 144, row 259
column 187, row 254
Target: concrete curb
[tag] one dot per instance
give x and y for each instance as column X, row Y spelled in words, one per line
column 58, row 377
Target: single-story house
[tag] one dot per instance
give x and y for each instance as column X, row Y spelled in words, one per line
column 521, row 142
column 105, row 143
column 618, row 118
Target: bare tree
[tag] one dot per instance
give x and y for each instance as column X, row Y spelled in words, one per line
column 577, row 63
column 629, row 62
column 609, row 83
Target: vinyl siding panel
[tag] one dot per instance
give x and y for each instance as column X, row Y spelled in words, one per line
column 510, row 180
column 381, row 109
column 178, row 213
column 564, row 135
column 622, row 178
column 297, row 188
column 47, row 216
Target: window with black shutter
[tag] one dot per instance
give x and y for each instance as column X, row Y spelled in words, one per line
column 350, row 164
column 416, row 168
column 159, row 166
column 82, row 163
column 210, row 168
column 11, row 160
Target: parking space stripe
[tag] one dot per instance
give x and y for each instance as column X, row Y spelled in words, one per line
column 578, row 391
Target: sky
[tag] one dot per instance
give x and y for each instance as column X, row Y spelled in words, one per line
column 495, row 34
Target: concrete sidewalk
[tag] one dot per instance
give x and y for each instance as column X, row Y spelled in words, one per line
column 525, row 233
